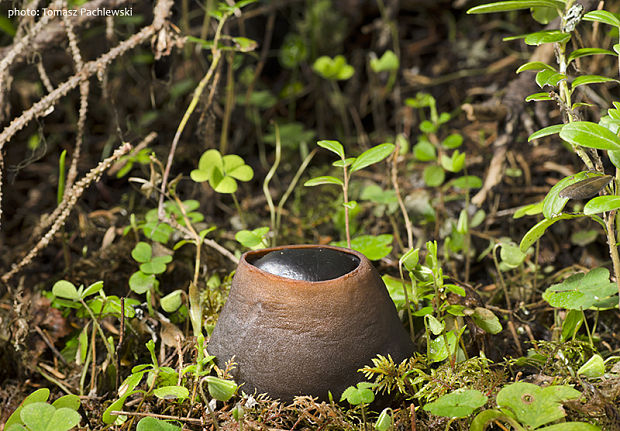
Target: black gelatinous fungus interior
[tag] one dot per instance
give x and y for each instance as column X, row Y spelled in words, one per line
column 308, row 264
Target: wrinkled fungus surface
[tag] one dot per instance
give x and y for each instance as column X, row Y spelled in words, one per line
column 308, row 264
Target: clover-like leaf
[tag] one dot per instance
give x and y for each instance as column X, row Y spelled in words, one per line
column 583, row 291
column 535, row 406
column 360, row 394
column 457, row 404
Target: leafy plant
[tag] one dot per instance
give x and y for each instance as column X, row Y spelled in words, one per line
column 367, row 158
column 584, row 137
column 359, row 395
column 457, row 404
column 526, row 406
column 36, row 414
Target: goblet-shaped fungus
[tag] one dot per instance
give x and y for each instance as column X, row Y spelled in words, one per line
column 302, row 320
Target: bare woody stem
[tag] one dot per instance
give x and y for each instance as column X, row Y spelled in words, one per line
column 345, row 192
column 613, row 246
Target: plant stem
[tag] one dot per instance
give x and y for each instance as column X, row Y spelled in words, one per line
column 270, row 174
column 613, row 247
column 408, row 304
column 345, row 192
column 234, row 197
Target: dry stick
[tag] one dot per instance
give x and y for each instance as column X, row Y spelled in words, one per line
column 67, row 205
column 162, row 8
column 23, row 43
column 217, row 54
column 84, row 90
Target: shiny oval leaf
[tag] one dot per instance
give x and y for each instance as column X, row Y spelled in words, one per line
column 590, row 79
column 550, row 130
column 591, row 135
column 534, row 65
column 601, row 204
column 602, row 16
column 333, row 146
column 372, row 156
column 539, row 229
column 553, row 202
column 323, row 180
column 547, row 36
column 505, row 6
column 578, row 53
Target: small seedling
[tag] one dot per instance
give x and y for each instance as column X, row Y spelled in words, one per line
column 36, row 414
column 359, row 395
column 457, row 404
column 367, row 158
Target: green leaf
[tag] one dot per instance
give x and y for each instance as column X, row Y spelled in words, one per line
column 534, row 65
column 372, row 156
column 581, row 291
column 157, row 265
column 333, row 146
column 454, row 140
column 570, row 426
column 241, row 173
column 454, row 163
column 601, row 204
column 486, row 320
column 153, row 424
column 511, row 255
column 220, row 389
column 384, row 421
column 38, row 396
column 435, row 326
column 243, row 44
column 324, row 180
column 467, row 182
column 373, row 247
column 342, row 163
column 535, row 406
column 549, row 77
column 602, row 16
column 37, row 416
column 66, row 290
column 225, row 185
column 424, row 151
column 254, row 239
column 411, row 258
column 538, row 97
column 554, row 202
column 360, row 394
column 594, row 368
column 539, row 229
column 433, row 175
column 486, row 416
column 550, row 130
column 142, row 252
column 544, row 15
column 457, row 404
column 92, row 289
column 172, row 301
column 387, row 63
column 333, row 68
column 505, row 6
column 171, row 392
column 578, row 53
column 209, row 160
column 590, row 79
column 546, row 36
column 591, row 135
column 71, row 402
column 140, row 282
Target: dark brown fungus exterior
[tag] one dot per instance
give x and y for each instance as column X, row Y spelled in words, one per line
column 294, row 337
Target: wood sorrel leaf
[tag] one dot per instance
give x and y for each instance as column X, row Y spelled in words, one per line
column 583, row 291
column 601, row 204
column 585, row 188
column 535, row 406
column 457, row 404
column 591, row 135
